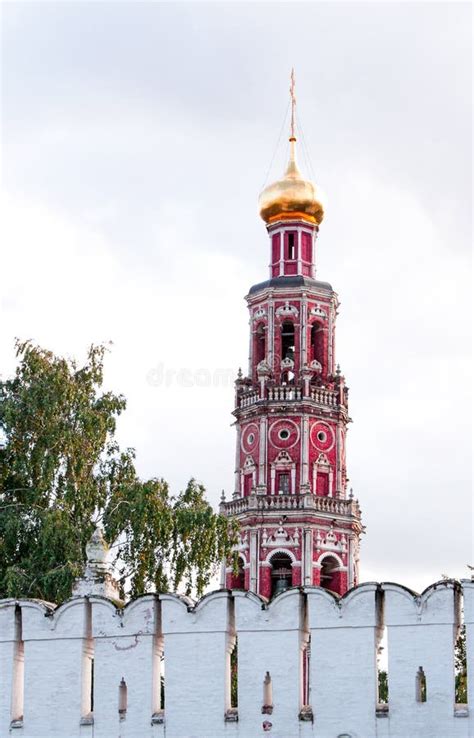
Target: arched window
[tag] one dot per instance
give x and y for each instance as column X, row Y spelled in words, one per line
column 260, row 344
column 288, row 341
column 330, row 574
column 420, row 685
column 123, row 699
column 317, row 343
column 238, row 580
column 281, row 573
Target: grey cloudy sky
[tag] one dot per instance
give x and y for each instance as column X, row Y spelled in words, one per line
column 135, row 140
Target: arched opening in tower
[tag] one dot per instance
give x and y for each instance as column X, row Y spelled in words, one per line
column 281, row 573
column 260, row 347
column 330, row 575
column 288, row 341
column 317, row 343
column 238, row 579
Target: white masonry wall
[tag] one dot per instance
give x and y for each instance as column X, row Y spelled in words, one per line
column 46, row 657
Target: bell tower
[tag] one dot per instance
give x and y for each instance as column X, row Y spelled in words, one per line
column 298, row 524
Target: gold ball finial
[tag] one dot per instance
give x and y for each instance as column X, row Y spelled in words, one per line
column 291, row 197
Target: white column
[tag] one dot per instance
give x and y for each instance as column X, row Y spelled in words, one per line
column 330, row 340
column 237, row 462
column 305, row 453
column 253, row 561
column 272, row 477
column 313, row 255
column 262, row 460
column 303, row 339
column 298, row 254
column 270, row 334
column 350, row 562
column 250, row 347
column 282, row 252
column 308, row 556
column 339, row 486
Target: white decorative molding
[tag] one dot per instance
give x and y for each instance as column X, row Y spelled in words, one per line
column 316, row 366
column 249, row 465
column 317, row 312
column 328, row 541
column 263, row 368
column 287, row 310
column 283, row 459
column 287, row 364
column 259, row 313
column 283, row 550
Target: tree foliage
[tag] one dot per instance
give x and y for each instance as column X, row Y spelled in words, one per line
column 460, row 666
column 62, row 472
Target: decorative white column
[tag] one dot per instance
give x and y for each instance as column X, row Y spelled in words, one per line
column 339, row 485
column 304, row 487
column 300, row 271
column 293, row 479
column 253, row 561
column 308, row 556
column 270, row 336
column 303, row 340
column 262, row 457
column 249, row 373
column 237, row 462
column 282, row 252
column 350, row 562
column 313, row 254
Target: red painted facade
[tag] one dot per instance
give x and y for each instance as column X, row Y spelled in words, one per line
column 298, row 523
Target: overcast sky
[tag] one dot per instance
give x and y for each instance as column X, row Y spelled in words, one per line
column 135, row 140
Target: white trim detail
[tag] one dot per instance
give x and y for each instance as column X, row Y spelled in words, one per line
column 275, row 551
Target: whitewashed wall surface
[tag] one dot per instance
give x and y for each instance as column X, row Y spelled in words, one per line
column 94, row 668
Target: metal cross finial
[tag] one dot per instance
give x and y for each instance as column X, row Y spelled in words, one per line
column 293, row 104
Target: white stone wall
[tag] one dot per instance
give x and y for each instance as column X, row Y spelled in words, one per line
column 45, row 664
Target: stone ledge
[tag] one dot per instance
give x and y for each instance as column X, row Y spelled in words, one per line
column 306, row 714
column 158, row 718
column 231, row 715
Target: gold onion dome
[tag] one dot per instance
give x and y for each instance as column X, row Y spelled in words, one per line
column 291, row 197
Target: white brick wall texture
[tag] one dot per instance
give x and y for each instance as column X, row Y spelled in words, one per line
column 46, row 667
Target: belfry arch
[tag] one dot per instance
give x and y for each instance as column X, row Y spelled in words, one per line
column 281, row 572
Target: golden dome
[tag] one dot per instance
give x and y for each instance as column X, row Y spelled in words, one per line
column 291, row 197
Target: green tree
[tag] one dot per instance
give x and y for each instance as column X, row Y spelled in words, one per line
column 62, row 472
column 383, row 686
column 460, row 667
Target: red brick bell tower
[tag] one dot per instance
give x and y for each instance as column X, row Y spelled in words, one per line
column 298, row 525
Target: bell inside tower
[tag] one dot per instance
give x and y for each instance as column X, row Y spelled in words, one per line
column 281, row 573
column 288, row 341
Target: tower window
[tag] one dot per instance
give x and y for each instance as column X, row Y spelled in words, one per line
column 291, row 246
column 260, row 344
column 284, row 483
column 284, row 434
column 420, row 685
column 329, row 574
column 317, row 343
column 288, row 341
column 248, row 481
column 281, row 573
